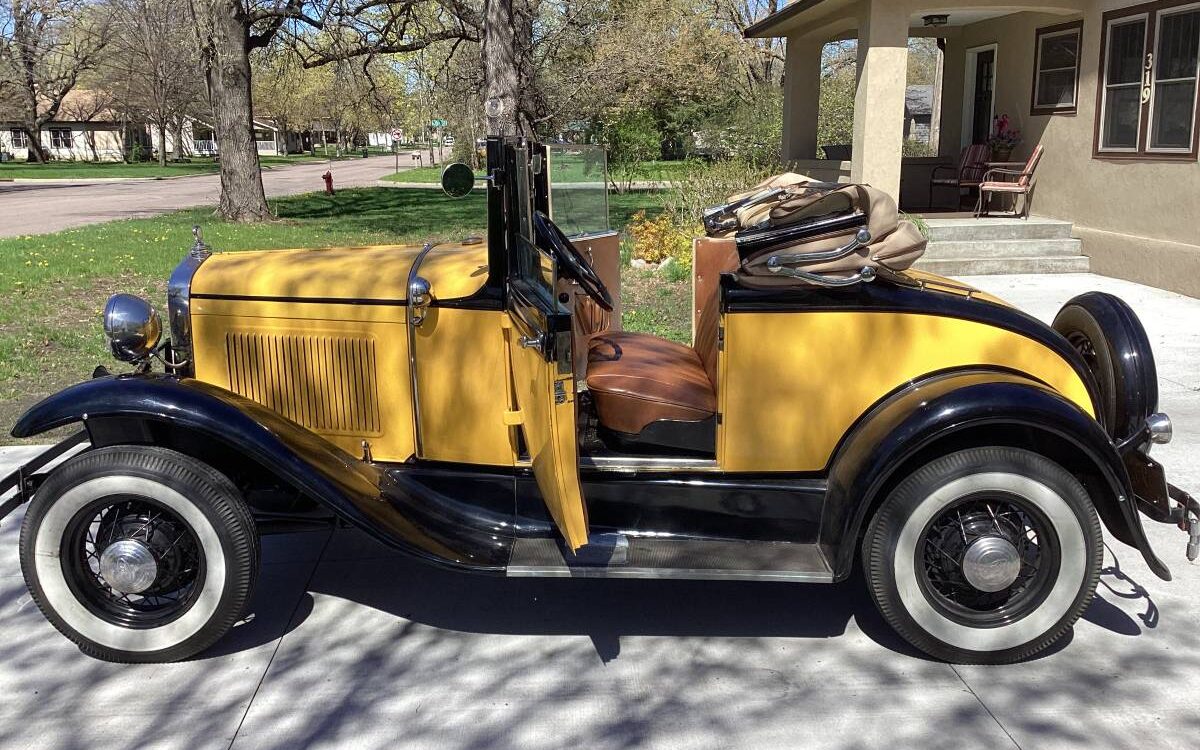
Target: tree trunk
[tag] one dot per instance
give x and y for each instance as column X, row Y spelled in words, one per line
column 33, row 135
column 242, row 196
column 501, row 78
column 162, row 143
column 177, row 130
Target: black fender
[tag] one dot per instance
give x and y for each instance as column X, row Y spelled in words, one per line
column 957, row 410
column 1134, row 373
column 390, row 505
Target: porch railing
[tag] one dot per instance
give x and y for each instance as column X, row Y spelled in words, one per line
column 204, row 147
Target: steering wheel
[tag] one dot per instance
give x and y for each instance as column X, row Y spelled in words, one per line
column 574, row 264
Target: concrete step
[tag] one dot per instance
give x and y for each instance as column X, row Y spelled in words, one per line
column 980, row 266
column 957, row 249
column 968, row 229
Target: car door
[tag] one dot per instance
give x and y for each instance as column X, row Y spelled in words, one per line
column 543, row 378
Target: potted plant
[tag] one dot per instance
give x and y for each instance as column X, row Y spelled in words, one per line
column 1004, row 138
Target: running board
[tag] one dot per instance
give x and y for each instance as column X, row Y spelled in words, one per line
column 625, row 556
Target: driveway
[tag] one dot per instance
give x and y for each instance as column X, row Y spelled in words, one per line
column 34, row 207
column 353, row 646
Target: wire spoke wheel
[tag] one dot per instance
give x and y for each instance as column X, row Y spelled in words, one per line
column 984, row 556
column 139, row 553
column 986, row 560
column 132, row 561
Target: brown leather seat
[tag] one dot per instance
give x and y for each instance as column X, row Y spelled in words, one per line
column 636, row 379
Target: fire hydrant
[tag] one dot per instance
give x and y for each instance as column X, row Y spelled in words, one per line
column 328, row 177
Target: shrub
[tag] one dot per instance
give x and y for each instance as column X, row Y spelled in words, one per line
column 655, row 240
column 749, row 131
column 705, row 185
column 631, row 139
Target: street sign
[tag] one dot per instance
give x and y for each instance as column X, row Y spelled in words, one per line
column 437, row 123
column 397, row 135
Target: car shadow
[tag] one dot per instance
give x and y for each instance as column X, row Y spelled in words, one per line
column 1116, row 584
column 354, row 568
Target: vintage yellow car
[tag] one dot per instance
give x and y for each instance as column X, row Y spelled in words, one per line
column 477, row 405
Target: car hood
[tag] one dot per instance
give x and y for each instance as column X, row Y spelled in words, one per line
column 371, row 273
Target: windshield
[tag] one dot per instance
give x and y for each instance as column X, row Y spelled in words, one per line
column 578, row 179
column 530, row 264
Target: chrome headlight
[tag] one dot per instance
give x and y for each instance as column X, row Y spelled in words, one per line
column 132, row 326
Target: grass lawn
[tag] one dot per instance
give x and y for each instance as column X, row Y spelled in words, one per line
column 53, row 286
column 574, row 172
column 79, row 170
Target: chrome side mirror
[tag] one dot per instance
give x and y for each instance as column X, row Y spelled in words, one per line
column 458, row 180
column 419, row 299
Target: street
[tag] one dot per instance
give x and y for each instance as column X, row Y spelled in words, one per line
column 351, row 645
column 34, row 207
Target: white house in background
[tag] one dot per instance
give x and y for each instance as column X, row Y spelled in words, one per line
column 200, row 140
column 384, row 139
column 84, row 130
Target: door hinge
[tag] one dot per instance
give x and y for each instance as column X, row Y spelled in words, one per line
column 560, row 392
column 720, row 338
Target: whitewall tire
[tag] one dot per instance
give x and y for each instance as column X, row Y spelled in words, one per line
column 139, row 554
column 987, row 555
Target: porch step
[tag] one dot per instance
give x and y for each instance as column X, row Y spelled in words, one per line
column 1025, row 248
column 965, row 245
column 969, row 229
column 1005, row 265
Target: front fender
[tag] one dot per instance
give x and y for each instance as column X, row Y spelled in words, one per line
column 387, row 505
column 956, row 409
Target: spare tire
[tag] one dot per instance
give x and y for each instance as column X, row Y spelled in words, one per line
column 1110, row 339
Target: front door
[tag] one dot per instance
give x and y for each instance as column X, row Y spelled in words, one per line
column 985, row 75
column 539, row 345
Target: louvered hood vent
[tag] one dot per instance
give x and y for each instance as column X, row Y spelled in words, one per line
column 325, row 383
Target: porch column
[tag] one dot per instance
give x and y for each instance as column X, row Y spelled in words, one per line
column 801, row 98
column 879, row 100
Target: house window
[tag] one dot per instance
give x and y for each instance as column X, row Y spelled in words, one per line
column 1148, row 97
column 60, row 138
column 1056, row 69
column 19, row 139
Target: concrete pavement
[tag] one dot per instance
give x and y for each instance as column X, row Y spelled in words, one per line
column 353, row 646
column 34, row 207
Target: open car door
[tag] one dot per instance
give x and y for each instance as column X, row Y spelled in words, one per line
column 539, row 345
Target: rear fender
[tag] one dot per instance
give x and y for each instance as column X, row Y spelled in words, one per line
column 963, row 409
column 389, row 505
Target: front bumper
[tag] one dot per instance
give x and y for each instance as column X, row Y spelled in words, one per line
column 27, row 476
column 1158, row 499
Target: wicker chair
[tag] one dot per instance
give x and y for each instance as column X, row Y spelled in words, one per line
column 967, row 174
column 1019, row 185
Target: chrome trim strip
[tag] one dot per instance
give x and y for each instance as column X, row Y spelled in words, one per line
column 413, row 273
column 179, row 307
column 639, row 463
column 539, row 571
column 585, row 236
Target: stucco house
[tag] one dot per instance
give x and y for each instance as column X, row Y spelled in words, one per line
column 1108, row 87
column 85, row 129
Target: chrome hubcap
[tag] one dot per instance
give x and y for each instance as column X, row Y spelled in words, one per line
column 128, row 566
column 991, row 563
